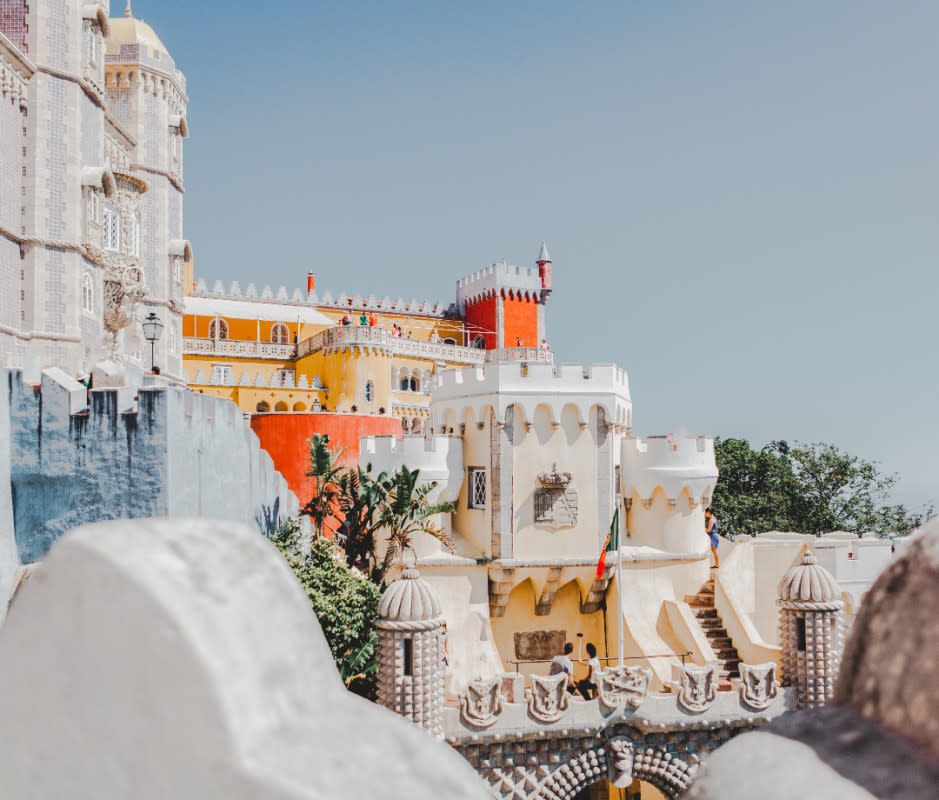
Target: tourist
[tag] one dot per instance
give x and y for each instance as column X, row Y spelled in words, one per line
column 372, row 320
column 544, row 344
column 394, row 330
column 562, row 664
column 588, row 686
column 363, row 320
column 518, row 342
column 346, row 320
column 409, row 334
column 434, row 336
column 710, row 528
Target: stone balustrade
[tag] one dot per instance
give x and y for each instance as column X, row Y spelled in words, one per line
column 238, row 348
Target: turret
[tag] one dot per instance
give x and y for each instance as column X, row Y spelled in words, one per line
column 810, row 606
column 411, row 651
column 544, row 272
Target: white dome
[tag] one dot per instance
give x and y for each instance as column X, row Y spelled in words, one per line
column 409, row 599
column 809, row 582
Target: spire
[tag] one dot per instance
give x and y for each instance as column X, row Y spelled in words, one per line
column 127, row 12
column 543, row 256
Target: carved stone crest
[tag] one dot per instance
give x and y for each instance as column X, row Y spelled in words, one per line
column 548, row 699
column 622, row 686
column 698, row 687
column 481, row 703
column 556, row 499
column 619, row 755
column 758, row 685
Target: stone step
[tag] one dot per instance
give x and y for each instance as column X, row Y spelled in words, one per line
column 709, row 624
column 702, row 612
column 715, row 632
column 721, row 644
column 699, row 602
column 727, row 655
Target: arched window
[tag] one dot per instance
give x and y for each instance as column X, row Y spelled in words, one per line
column 449, row 340
column 415, row 382
column 218, row 329
column 88, row 293
column 369, row 392
column 263, row 407
column 281, row 406
column 479, row 342
column 280, row 334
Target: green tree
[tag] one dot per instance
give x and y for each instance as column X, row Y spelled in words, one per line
column 408, row 511
column 809, row 488
column 325, row 471
column 362, row 500
column 345, row 602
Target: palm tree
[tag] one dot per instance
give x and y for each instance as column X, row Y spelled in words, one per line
column 362, row 499
column 325, row 471
column 408, row 511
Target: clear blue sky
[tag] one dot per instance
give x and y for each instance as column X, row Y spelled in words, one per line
column 740, row 198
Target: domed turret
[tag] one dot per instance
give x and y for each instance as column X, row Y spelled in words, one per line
column 412, row 651
column 809, row 601
column 807, row 581
column 410, row 599
column 127, row 30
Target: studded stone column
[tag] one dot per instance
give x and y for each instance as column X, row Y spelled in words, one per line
column 411, row 651
column 810, row 607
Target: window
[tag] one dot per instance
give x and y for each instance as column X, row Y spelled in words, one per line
column 218, row 329
column 263, row 407
column 480, row 342
column 112, row 236
column 408, row 657
column 88, row 293
column 92, row 46
column 280, row 334
column 369, row 392
column 172, row 337
column 800, row 633
column 477, row 488
column 178, row 269
column 449, row 340
column 222, row 375
column 93, row 206
column 133, row 233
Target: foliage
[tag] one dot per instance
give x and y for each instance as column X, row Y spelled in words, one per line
column 361, row 500
column 408, row 511
column 325, row 471
column 345, row 602
column 809, row 488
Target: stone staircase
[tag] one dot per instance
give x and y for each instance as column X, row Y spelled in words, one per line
column 702, row 604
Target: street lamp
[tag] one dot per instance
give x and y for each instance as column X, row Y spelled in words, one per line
column 152, row 328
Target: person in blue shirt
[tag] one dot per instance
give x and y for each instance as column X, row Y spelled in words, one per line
column 710, row 528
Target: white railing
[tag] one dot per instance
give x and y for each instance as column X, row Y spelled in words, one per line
column 530, row 355
column 238, row 348
column 348, row 335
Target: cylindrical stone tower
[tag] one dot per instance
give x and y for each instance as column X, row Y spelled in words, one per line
column 810, row 605
column 411, row 654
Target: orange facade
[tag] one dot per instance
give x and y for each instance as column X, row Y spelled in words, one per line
column 520, row 321
column 284, row 437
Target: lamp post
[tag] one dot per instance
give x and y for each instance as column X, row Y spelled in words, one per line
column 152, row 328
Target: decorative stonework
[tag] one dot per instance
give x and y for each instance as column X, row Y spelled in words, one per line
column 623, row 686
column 481, row 703
column 548, row 699
column 556, row 499
column 620, row 754
column 539, row 645
column 758, row 685
column 698, row 687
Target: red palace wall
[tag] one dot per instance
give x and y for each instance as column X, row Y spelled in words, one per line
column 482, row 315
column 284, row 436
column 521, row 321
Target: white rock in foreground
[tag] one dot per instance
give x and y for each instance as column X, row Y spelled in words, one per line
column 180, row 658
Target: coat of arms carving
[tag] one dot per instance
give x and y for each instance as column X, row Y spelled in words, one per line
column 758, row 685
column 548, row 699
column 622, row 686
column 556, row 499
column 481, row 703
column 698, row 687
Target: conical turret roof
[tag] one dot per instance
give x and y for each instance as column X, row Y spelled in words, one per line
column 544, row 255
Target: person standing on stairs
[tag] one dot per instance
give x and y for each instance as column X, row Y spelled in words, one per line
column 710, row 528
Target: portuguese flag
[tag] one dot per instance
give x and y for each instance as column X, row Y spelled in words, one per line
column 611, row 544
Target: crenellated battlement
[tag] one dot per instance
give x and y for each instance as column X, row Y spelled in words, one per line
column 674, row 462
column 527, row 386
column 498, row 279
column 299, row 297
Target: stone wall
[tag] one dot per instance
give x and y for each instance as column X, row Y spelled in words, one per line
column 171, row 453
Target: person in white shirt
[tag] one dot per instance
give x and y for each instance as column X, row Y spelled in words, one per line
column 588, row 686
column 563, row 664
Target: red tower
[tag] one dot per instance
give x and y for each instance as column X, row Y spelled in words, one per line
column 502, row 304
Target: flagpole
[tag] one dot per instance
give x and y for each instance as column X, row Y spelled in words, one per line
column 619, row 590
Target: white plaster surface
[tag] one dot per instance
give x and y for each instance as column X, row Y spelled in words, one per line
column 769, row 767
column 179, row 658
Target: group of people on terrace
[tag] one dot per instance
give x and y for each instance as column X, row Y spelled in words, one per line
column 563, row 665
